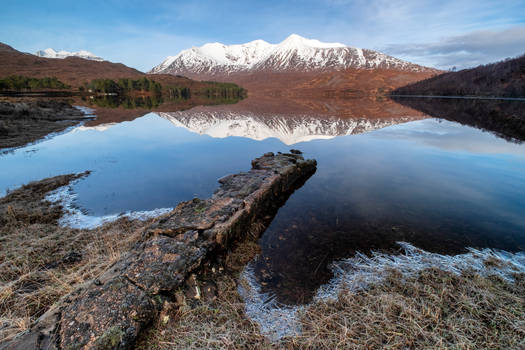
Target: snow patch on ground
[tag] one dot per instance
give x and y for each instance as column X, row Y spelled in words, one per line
column 74, row 217
column 357, row 273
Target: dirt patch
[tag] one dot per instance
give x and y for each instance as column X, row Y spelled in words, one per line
column 25, row 122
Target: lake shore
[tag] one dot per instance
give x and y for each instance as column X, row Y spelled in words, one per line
column 432, row 309
column 42, row 261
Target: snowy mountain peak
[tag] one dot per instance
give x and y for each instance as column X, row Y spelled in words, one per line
column 295, row 54
column 297, row 41
column 51, row 53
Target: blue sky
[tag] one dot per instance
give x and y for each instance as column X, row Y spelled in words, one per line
column 141, row 34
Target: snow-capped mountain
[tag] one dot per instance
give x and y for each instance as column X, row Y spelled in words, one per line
column 294, row 54
column 289, row 129
column 50, row 53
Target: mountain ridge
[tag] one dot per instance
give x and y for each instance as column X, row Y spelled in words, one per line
column 293, row 54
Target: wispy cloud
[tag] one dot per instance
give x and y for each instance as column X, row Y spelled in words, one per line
column 466, row 50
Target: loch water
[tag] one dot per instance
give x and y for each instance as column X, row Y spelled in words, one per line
column 386, row 173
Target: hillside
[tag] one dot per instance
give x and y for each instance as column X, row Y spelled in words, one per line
column 76, row 71
column 503, row 79
column 72, row 71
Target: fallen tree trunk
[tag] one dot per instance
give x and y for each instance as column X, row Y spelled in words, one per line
column 111, row 311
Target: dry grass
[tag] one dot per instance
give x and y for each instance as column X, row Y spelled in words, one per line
column 40, row 263
column 435, row 310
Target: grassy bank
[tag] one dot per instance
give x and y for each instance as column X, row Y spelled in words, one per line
column 40, row 261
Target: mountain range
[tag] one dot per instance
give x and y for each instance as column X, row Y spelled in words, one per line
column 294, row 54
column 295, row 65
column 51, row 53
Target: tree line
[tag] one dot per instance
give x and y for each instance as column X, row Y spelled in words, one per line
column 223, row 90
column 218, row 92
column 19, row 82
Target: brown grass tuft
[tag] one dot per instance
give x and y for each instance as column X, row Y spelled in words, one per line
column 435, row 310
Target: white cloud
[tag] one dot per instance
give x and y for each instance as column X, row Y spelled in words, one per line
column 463, row 51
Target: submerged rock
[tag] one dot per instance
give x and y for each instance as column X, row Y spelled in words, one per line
column 112, row 310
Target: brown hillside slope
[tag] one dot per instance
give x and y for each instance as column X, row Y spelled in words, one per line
column 350, row 82
column 76, row 71
column 73, row 71
column 503, row 79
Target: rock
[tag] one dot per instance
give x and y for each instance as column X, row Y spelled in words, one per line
column 112, row 310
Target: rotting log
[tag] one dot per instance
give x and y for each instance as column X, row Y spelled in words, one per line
column 111, row 311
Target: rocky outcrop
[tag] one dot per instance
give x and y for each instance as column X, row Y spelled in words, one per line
column 110, row 312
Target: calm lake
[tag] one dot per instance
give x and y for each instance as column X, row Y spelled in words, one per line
column 386, row 173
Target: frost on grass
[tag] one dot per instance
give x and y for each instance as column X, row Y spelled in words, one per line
column 74, row 217
column 277, row 321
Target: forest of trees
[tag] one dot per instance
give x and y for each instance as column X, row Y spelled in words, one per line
column 503, row 79
column 18, row 83
column 124, row 86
